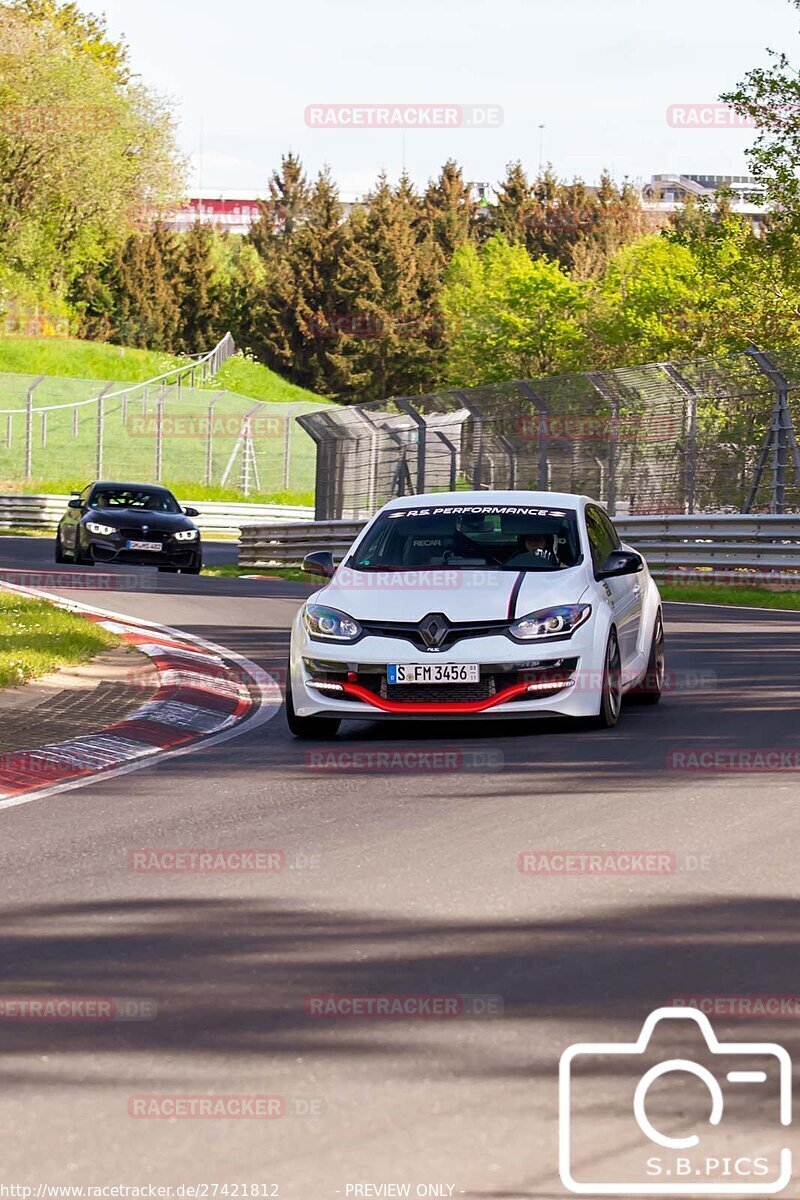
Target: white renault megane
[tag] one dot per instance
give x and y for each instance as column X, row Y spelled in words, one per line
column 477, row 604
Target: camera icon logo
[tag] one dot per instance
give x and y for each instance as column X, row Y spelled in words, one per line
column 659, row 1152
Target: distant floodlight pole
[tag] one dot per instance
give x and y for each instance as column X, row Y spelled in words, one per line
column 101, row 429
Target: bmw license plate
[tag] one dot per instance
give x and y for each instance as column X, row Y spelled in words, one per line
column 142, row 545
column 433, row 673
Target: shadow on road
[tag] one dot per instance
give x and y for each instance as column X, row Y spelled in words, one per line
column 266, row 959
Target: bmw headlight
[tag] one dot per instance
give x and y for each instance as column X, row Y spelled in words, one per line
column 558, row 622
column 329, row 623
column 103, row 530
column 186, row 535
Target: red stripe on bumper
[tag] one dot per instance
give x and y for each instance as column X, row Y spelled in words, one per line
column 404, row 706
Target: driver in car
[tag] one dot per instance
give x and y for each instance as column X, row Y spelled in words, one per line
column 536, row 550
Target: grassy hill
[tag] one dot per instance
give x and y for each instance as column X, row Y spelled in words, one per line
column 100, row 361
column 64, row 455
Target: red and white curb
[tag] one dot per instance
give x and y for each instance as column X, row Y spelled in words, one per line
column 205, row 695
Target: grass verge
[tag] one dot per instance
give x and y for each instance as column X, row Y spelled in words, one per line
column 36, row 638
column 706, row 593
column 232, row 571
column 183, row 491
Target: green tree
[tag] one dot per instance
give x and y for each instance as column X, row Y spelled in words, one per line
column 770, row 97
column 203, row 287
column 82, row 153
column 388, row 347
column 513, row 317
column 317, row 258
column 637, row 309
column 285, row 209
column 514, row 207
column 449, row 210
column 86, row 33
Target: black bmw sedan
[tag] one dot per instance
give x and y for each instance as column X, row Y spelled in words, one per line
column 129, row 523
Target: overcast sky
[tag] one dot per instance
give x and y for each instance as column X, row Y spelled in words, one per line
column 600, row 75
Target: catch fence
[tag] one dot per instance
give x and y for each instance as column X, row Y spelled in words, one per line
column 174, row 429
column 710, row 435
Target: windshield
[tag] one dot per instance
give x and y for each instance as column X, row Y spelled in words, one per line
column 138, row 499
column 502, row 537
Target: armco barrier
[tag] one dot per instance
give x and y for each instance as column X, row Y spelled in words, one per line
column 221, row 518
column 763, row 544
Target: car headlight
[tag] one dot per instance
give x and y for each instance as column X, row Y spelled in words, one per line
column 557, row 622
column 103, row 530
column 186, row 535
column 329, row 623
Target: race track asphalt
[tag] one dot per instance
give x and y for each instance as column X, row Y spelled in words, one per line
column 397, row 881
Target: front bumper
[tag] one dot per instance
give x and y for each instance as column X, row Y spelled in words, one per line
column 560, row 677
column 182, row 555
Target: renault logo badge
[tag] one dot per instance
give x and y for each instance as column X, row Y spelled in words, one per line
column 434, row 629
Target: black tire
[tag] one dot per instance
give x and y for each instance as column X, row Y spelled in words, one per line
column 59, row 555
column 318, row 728
column 651, row 689
column 78, row 557
column 611, row 698
column 168, row 570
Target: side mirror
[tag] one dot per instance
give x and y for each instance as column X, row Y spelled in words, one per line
column 191, row 512
column 621, row 562
column 319, row 563
column 74, row 503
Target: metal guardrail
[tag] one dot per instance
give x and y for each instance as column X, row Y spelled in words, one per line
column 723, row 543
column 216, row 517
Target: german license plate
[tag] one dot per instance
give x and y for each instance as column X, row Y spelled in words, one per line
column 143, row 545
column 433, row 673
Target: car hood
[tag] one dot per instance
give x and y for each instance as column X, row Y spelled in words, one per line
column 156, row 522
column 460, row 595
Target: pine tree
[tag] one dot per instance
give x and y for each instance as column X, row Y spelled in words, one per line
column 202, row 290
column 450, row 210
column 316, row 258
column 285, row 209
column 388, row 351
column 514, row 208
column 165, row 255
